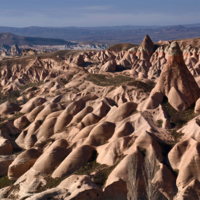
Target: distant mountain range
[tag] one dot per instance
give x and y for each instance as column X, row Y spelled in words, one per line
column 10, row 39
column 43, row 44
column 112, row 35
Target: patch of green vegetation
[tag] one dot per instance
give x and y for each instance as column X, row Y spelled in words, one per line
column 159, row 123
column 91, row 65
column 11, row 96
column 3, row 119
column 88, row 168
column 103, row 80
column 14, row 117
column 50, row 183
column 147, row 87
column 37, row 84
column 13, row 189
column 65, row 81
column 14, row 61
column 176, row 135
column 178, row 119
column 101, row 171
column 134, row 112
column 4, row 182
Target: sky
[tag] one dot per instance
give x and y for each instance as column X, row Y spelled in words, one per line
column 92, row 13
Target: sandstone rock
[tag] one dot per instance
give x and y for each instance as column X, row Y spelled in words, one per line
column 90, row 119
column 79, row 116
column 5, row 146
column 101, row 110
column 111, row 152
column 122, row 112
column 109, row 66
column 83, row 133
column 191, row 191
column 22, row 163
column 21, row 123
column 52, row 157
column 165, row 181
column 27, row 139
column 122, row 129
column 78, row 60
column 173, row 79
column 75, row 160
column 154, row 100
column 46, row 129
column 184, row 159
column 136, row 171
column 189, row 92
column 53, row 107
column 100, row 134
column 62, row 121
column 197, row 106
column 30, row 105
column 145, row 49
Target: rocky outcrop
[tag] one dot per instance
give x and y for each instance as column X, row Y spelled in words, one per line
column 146, row 49
column 109, row 66
column 175, row 82
column 184, row 159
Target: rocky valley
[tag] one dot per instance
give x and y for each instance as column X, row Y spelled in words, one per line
column 116, row 124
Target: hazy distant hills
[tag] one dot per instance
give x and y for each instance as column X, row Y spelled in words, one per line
column 10, row 39
column 116, row 34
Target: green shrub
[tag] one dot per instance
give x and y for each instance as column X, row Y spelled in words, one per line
column 147, row 87
column 4, row 181
column 178, row 119
column 159, row 123
column 108, row 80
column 102, row 80
column 37, row 84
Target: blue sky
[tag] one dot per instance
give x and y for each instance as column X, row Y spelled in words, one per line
column 63, row 13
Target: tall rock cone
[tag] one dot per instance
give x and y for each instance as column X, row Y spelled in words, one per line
column 176, row 82
column 146, row 49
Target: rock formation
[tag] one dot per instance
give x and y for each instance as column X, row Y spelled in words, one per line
column 93, row 125
column 175, row 82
